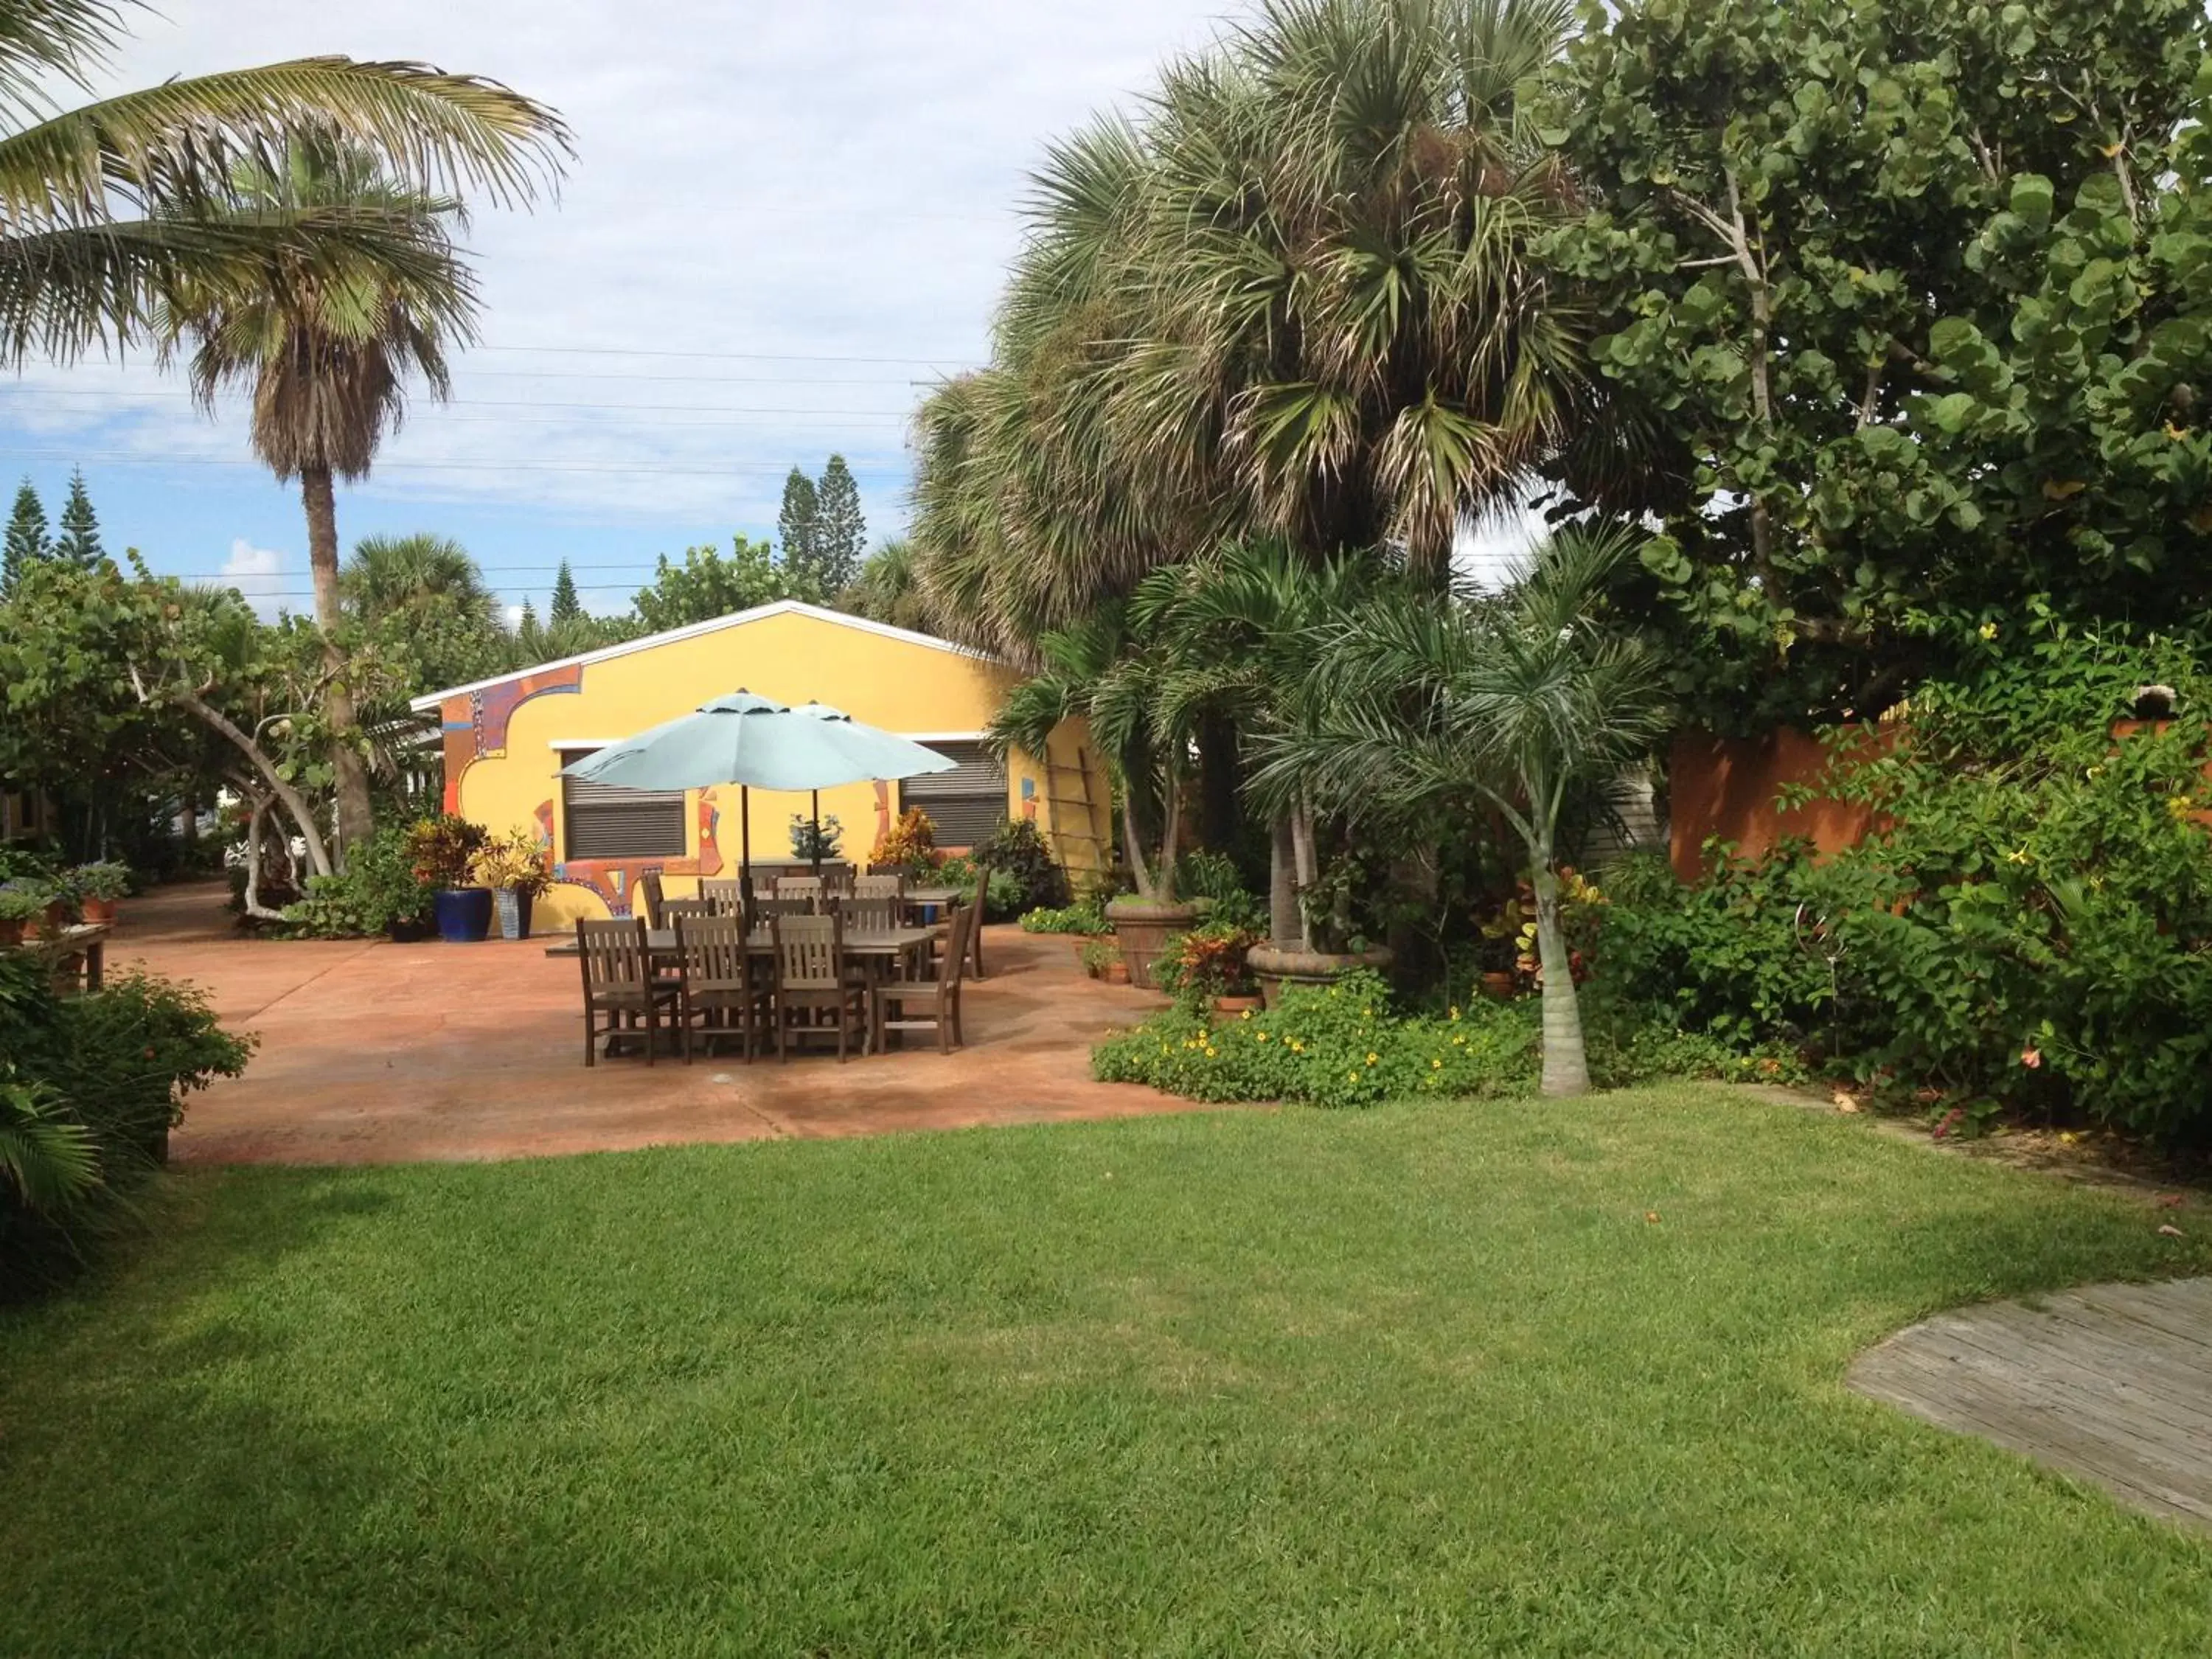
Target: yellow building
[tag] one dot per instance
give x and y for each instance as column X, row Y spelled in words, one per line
column 506, row 739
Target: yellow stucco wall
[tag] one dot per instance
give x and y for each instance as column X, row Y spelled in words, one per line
column 794, row 657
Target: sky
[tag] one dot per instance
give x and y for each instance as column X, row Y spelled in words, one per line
column 782, row 225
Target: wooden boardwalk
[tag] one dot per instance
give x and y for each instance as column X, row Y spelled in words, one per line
column 2112, row 1384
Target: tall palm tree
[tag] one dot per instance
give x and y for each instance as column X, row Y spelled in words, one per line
column 105, row 209
column 1293, row 296
column 1508, row 703
column 328, row 354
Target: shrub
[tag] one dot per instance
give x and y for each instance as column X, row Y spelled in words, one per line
column 1205, row 962
column 1213, row 878
column 89, row 1089
column 1087, row 915
column 513, row 861
column 381, row 888
column 102, row 880
column 1336, row 1045
column 911, row 844
column 440, row 848
column 23, row 900
column 1018, row 851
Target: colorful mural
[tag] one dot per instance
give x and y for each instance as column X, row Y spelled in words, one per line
column 475, row 724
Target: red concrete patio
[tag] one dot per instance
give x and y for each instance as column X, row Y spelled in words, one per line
column 375, row 1053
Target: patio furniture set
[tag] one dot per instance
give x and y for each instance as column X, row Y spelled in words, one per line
column 805, row 962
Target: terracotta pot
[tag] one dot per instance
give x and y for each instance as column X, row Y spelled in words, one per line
column 56, row 918
column 1118, row 973
column 11, row 930
column 99, row 911
column 1274, row 969
column 1498, row 986
column 1234, row 1006
column 1142, row 928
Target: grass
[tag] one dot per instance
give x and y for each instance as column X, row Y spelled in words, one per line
column 1425, row 1378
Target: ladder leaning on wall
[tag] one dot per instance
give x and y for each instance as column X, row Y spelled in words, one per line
column 1067, row 807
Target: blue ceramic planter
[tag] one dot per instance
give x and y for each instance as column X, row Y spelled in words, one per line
column 463, row 914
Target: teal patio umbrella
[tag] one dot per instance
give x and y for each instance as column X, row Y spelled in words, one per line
column 756, row 743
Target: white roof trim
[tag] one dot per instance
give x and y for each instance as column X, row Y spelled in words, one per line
column 712, row 625
column 945, row 737
column 583, row 743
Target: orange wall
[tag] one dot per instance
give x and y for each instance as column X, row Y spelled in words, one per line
column 1725, row 788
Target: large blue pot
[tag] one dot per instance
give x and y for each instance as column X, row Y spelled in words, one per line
column 463, row 914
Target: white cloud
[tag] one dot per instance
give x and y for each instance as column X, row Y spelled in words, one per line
column 514, row 615
column 257, row 573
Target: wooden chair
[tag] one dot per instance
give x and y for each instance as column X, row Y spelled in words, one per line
column 868, row 912
column 716, row 986
column 727, row 898
column 619, row 983
column 976, row 923
column 800, row 887
column 649, row 888
column 924, row 1005
column 892, row 884
column 766, row 907
column 671, row 909
column 811, row 980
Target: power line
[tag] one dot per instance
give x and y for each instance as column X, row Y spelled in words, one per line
column 730, row 356
column 124, row 459
column 127, row 397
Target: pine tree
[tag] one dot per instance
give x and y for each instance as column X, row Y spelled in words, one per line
column 26, row 537
column 566, row 607
column 529, row 636
column 840, row 531
column 79, row 541
column 795, row 534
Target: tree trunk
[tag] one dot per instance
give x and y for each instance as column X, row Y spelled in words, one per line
column 256, row 825
column 356, row 818
column 1170, row 834
column 1285, row 928
column 1133, row 846
column 318, row 856
column 1566, row 1068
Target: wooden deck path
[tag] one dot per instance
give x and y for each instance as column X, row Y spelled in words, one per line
column 2112, row 1384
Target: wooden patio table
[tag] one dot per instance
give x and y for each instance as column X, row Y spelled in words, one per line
column 661, row 941
column 78, row 951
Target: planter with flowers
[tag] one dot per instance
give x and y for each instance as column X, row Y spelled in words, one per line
column 512, row 866
column 100, row 886
column 441, row 848
column 1205, row 969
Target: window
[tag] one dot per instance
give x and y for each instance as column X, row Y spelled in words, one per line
column 600, row 822
column 966, row 804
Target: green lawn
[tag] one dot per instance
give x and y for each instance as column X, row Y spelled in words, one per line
column 1420, row 1379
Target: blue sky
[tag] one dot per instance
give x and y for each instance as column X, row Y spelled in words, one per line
column 781, row 225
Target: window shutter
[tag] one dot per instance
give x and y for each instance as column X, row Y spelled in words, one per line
column 606, row 823
column 967, row 804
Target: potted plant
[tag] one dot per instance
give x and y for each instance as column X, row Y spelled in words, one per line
column 22, row 903
column 101, row 885
column 1099, row 958
column 61, row 906
column 512, row 866
column 817, row 842
column 910, row 844
column 1333, row 946
column 440, row 848
column 1204, row 968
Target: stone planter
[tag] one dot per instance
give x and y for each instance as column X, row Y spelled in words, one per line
column 1142, row 927
column 1275, row 969
column 463, row 914
column 514, row 907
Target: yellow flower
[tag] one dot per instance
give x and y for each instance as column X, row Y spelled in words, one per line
column 1371, row 1059
column 2179, row 806
column 2019, row 855
column 1262, row 1035
column 1988, row 630
column 1211, row 1054
column 1435, row 1066
column 1459, row 1041
column 1352, row 1077
column 1455, row 1013
column 1297, row 1047
column 1247, row 1014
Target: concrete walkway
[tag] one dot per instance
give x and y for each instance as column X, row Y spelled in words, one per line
column 372, row 1052
column 2112, row 1384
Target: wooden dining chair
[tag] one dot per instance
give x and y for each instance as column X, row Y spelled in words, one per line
column 869, row 912
column 671, row 909
column 649, row 888
column 932, row 1004
column 890, row 885
column 718, row 991
column 810, row 981
column 727, row 898
column 619, row 984
column 808, row 888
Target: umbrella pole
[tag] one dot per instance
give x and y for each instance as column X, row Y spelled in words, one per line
column 746, row 845
column 815, row 796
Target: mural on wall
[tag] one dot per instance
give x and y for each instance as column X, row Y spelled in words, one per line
column 883, row 812
column 1029, row 800
column 475, row 723
column 614, row 879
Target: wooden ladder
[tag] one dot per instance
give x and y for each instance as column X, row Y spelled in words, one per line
column 1062, row 807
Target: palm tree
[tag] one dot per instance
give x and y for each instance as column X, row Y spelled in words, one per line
column 1509, row 703
column 107, row 210
column 415, row 575
column 1107, row 670
column 886, row 591
column 327, row 355
column 1293, row 297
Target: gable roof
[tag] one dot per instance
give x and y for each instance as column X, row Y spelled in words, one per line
column 694, row 630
